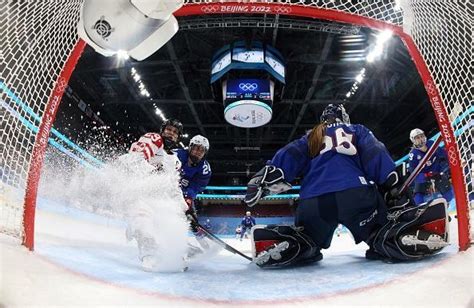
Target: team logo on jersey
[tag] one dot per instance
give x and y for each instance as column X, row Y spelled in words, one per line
column 418, row 157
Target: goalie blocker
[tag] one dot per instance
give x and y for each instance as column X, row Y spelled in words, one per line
column 409, row 234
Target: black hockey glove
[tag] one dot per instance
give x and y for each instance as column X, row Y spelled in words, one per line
column 269, row 180
column 191, row 215
column 193, row 220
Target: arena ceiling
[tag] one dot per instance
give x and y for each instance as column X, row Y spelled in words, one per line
column 322, row 62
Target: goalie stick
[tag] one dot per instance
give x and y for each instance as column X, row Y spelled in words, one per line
column 217, row 240
column 420, row 166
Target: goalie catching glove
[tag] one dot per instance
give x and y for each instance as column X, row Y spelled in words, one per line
column 270, row 180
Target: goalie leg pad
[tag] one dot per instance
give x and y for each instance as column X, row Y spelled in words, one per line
column 412, row 233
column 269, row 180
column 277, row 246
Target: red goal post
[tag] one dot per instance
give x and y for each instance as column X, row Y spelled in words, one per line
column 40, row 48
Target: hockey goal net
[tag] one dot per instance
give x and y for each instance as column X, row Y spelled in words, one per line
column 40, row 47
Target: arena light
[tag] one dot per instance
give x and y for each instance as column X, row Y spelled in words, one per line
column 122, row 54
column 378, row 49
column 384, row 36
column 141, row 86
column 358, row 79
column 160, row 113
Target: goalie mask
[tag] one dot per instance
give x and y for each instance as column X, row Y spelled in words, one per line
column 335, row 113
column 171, row 131
column 418, row 138
column 198, row 148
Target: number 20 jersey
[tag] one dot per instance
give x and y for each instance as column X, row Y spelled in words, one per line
column 351, row 157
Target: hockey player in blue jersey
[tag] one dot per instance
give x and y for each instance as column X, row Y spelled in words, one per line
column 195, row 175
column 434, row 177
column 195, row 170
column 247, row 223
column 343, row 167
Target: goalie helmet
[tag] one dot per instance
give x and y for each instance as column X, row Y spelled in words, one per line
column 418, row 138
column 335, row 113
column 201, row 141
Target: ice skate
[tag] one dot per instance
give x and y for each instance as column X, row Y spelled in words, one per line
column 273, row 253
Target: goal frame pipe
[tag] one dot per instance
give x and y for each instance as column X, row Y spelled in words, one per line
column 210, row 8
column 441, row 114
column 41, row 142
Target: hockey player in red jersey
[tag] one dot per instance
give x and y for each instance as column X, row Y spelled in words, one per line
column 153, row 145
column 156, row 149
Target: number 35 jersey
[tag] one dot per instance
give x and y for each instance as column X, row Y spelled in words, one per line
column 351, row 157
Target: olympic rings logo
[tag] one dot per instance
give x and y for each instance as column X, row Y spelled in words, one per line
column 452, row 156
column 430, row 88
column 210, row 9
column 61, row 85
column 248, row 86
column 282, row 10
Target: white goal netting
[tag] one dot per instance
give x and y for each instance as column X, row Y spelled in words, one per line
column 39, row 36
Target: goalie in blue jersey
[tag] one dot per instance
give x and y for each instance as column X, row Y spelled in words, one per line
column 349, row 178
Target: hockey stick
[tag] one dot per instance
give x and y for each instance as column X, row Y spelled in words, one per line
column 420, row 166
column 217, row 240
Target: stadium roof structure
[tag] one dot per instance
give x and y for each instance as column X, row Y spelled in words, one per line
column 324, row 63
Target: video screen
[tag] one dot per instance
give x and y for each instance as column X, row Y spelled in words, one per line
column 241, row 89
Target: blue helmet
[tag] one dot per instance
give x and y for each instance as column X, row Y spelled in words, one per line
column 335, row 113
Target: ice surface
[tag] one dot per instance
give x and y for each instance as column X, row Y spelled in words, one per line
column 82, row 258
column 95, row 248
